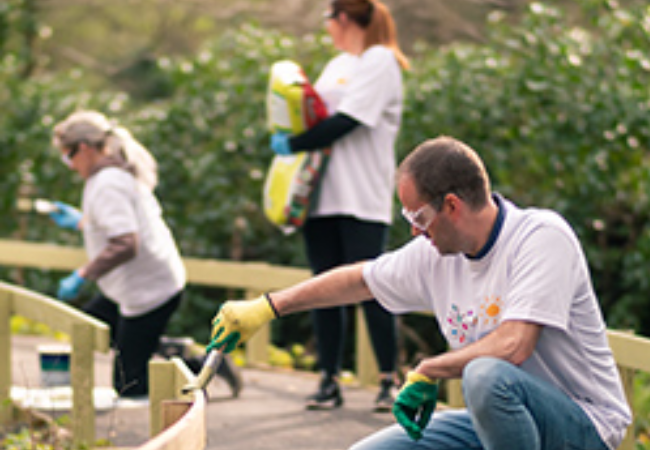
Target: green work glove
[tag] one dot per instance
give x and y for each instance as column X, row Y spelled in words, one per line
column 238, row 320
column 415, row 403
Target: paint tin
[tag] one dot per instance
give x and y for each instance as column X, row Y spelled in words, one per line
column 55, row 365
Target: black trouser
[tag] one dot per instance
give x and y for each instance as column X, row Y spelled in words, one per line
column 135, row 339
column 334, row 241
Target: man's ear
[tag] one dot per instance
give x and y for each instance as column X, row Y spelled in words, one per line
column 452, row 205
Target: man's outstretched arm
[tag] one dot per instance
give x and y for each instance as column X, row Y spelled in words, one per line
column 237, row 321
column 340, row 286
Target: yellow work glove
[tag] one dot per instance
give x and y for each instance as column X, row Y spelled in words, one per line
column 415, row 403
column 238, row 320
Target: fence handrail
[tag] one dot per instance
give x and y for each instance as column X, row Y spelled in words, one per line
column 56, row 315
column 630, row 351
column 177, row 421
column 87, row 336
column 253, row 276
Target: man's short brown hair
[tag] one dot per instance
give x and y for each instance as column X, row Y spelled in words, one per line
column 446, row 165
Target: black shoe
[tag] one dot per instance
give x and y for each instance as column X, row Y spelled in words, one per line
column 229, row 371
column 384, row 401
column 328, row 395
column 175, row 346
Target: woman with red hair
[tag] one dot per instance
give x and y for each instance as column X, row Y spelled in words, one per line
column 362, row 88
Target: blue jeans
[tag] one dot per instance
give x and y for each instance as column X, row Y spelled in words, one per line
column 507, row 409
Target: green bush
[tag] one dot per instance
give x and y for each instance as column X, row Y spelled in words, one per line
column 212, row 145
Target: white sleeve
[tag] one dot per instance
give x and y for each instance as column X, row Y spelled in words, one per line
column 112, row 206
column 395, row 277
column 372, row 87
column 543, row 278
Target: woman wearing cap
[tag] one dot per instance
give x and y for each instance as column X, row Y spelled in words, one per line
column 362, row 87
column 131, row 251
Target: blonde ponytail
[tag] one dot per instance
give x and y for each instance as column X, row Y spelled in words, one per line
column 120, row 142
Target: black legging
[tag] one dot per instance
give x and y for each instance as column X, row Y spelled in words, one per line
column 135, row 339
column 331, row 242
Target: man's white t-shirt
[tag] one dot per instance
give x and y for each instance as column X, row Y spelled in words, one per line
column 114, row 204
column 359, row 180
column 535, row 271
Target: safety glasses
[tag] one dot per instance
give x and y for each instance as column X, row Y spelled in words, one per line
column 67, row 157
column 422, row 218
column 74, row 149
column 331, row 15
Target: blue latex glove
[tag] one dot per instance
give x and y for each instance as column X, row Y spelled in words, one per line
column 66, row 216
column 280, row 144
column 415, row 403
column 70, row 286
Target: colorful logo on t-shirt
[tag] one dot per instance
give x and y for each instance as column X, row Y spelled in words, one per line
column 490, row 311
column 459, row 324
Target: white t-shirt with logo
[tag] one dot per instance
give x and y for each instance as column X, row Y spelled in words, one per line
column 114, row 204
column 535, row 272
column 359, row 180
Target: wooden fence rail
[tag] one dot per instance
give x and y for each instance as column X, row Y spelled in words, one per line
column 252, row 277
column 87, row 334
column 631, row 352
column 178, row 422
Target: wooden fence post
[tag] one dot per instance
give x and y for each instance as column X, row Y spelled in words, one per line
column 82, row 374
column 162, row 386
column 257, row 347
column 6, row 409
column 627, row 378
column 455, row 393
column 166, row 382
column 366, row 362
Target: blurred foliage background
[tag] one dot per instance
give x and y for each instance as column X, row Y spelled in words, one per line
column 554, row 96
